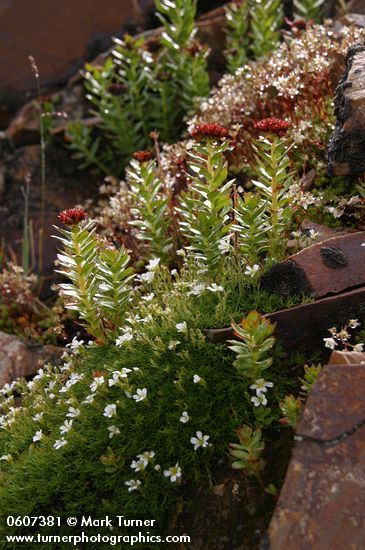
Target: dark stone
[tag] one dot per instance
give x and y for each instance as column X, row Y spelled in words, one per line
column 346, row 149
column 286, row 279
column 333, row 257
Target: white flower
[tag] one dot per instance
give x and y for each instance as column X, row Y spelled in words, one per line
column 88, row 399
column 140, row 395
column 181, row 252
column 184, row 418
column 215, row 288
column 38, row 436
column 174, row 272
column 148, row 297
column 173, row 344
column 147, row 457
column 133, row 485
column 74, row 378
column 330, row 343
column 126, row 337
column 200, row 440
column 157, row 467
column 73, row 412
column 146, row 277
column 196, row 379
column 181, row 327
column 60, row 443
column 75, row 345
column 251, row 271
column 174, row 473
column 38, row 417
column 66, row 426
column 259, row 400
column 8, row 458
column 98, row 381
column 110, row 411
column 224, row 245
column 113, row 430
column 354, row 323
column 197, row 289
column 358, row 347
column 153, row 264
column 139, row 465
column 261, row 386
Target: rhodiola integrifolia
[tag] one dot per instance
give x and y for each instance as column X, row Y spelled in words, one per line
column 237, row 40
column 151, row 205
column 274, row 180
column 205, row 206
column 99, row 289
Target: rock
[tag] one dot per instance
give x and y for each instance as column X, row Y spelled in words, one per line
column 60, row 40
column 322, row 502
column 346, row 151
column 302, row 328
column 357, row 19
column 66, row 187
column 333, row 265
column 346, row 358
column 21, row 359
column 356, row 6
column 323, row 231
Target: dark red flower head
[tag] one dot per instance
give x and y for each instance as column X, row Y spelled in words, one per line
column 152, row 45
column 142, row 156
column 272, row 125
column 117, row 89
column 72, row 216
column 209, row 130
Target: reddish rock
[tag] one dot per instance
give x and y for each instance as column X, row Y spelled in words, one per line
column 333, row 265
column 322, row 502
column 347, row 358
column 302, row 328
column 60, row 36
column 21, row 359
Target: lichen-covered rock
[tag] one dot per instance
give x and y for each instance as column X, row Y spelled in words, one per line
column 346, row 151
column 19, row 358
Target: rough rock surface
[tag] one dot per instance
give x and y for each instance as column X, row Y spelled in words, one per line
column 302, row 328
column 322, row 502
column 333, row 265
column 346, row 152
column 18, row 358
column 60, row 36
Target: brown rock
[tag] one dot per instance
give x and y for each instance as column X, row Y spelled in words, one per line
column 322, row 502
column 333, row 265
column 21, row 359
column 59, row 37
column 357, row 19
column 346, row 358
column 302, row 328
column 346, row 152
column 66, row 187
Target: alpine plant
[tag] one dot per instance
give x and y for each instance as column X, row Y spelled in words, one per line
column 204, row 208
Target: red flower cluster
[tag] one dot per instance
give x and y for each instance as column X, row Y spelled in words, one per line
column 72, row 216
column 142, row 156
column 117, row 89
column 209, row 130
column 273, row 125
